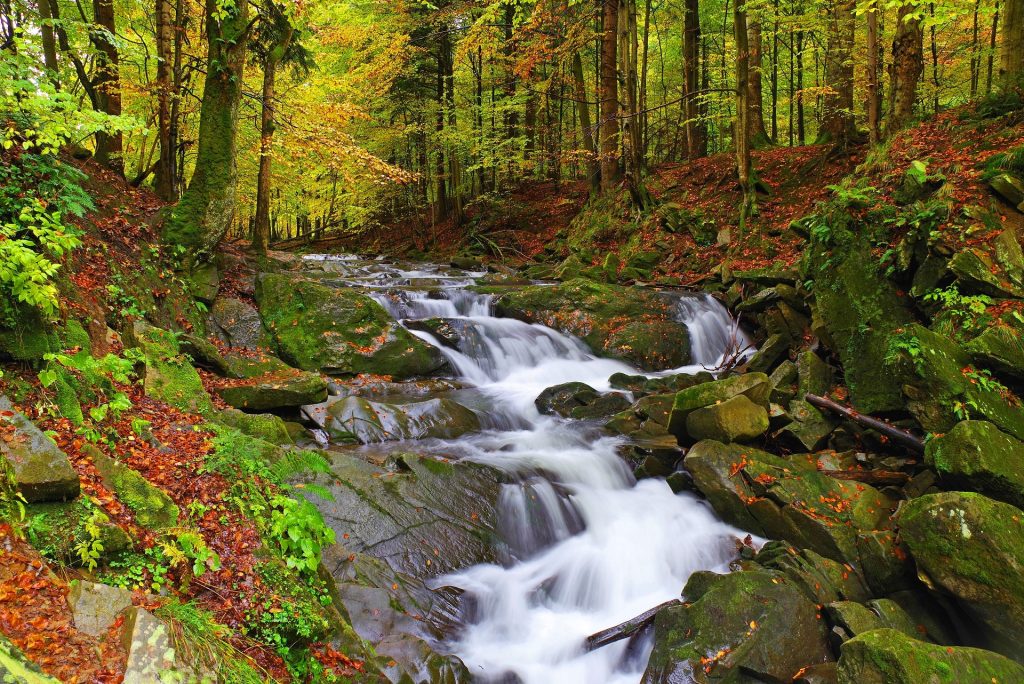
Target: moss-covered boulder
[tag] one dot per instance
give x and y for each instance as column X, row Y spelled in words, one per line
column 752, row 625
column 808, row 428
column 734, row 420
column 822, row 580
column 42, row 471
column 942, row 386
column 16, row 668
column 370, row 422
column 754, row 386
column 169, row 375
column 1001, row 348
column 238, row 325
column 339, row 331
column 646, row 419
column 968, row 546
column 858, row 310
column 786, row 498
column 264, row 426
column 152, row 508
column 269, row 384
column 580, row 401
column 888, row 656
column 856, row 618
column 629, row 323
column 57, row 529
column 977, row 456
column 978, row 270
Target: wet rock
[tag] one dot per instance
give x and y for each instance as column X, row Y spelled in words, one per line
column 784, row 383
column 42, row 471
column 580, row 401
column 822, row 580
column 646, row 419
column 888, row 656
column 237, row 324
column 170, row 376
column 968, row 546
column 1009, row 187
column 204, row 354
column 370, row 422
column 96, row 606
column 204, row 282
column 152, row 508
column 786, row 498
column 809, row 427
column 884, row 562
column 630, row 323
column 151, row 653
column 755, row 386
column 447, row 331
column 339, row 331
column 424, row 517
column 734, row 420
column 751, row 624
column 814, row 375
column 856, row 618
column 768, row 354
column 977, row 456
column 774, row 274
column 937, row 381
column 268, row 384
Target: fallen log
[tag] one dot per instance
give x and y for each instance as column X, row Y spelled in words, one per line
column 881, row 478
column 627, row 628
column 882, row 427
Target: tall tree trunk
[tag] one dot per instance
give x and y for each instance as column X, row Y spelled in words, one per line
column 582, row 106
column 49, row 39
column 992, row 49
column 261, row 221
column 906, row 67
column 801, row 123
column 642, row 99
column 696, row 134
column 775, row 74
column 758, row 132
column 202, row 218
column 975, row 47
column 742, row 128
column 874, row 100
column 178, row 78
column 441, row 198
column 454, row 163
column 837, row 123
column 165, row 170
column 609, row 98
column 1011, row 65
column 107, row 82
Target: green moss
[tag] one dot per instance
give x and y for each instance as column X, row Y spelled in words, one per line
column 888, row 656
column 153, row 509
column 263, row 426
column 170, row 377
column 54, row 529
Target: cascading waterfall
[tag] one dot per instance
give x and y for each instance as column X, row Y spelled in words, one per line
column 586, row 547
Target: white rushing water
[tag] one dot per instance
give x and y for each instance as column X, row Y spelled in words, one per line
column 587, row 546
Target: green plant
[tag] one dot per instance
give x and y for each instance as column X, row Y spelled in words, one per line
column 12, row 503
column 968, row 312
column 183, row 546
column 907, row 345
column 300, row 532
column 90, row 548
column 147, row 570
column 854, row 194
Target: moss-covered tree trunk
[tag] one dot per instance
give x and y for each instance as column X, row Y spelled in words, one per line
column 1011, row 66
column 261, row 223
column 906, row 67
column 202, row 217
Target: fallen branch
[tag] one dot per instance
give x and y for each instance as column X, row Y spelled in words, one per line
column 882, row 427
column 627, row 628
column 871, row 477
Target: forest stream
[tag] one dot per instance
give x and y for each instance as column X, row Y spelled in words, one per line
column 583, row 545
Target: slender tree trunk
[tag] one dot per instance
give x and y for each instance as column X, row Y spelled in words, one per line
column 165, row 170
column 261, row 221
column 906, row 68
column 593, row 166
column 177, row 170
column 935, row 61
column 992, row 49
column 441, row 207
column 758, row 132
column 609, row 99
column 874, row 100
column 454, row 162
column 696, row 134
column 202, row 218
column 975, row 47
column 742, row 128
column 775, row 74
column 107, row 82
column 1011, row 65
column 837, row 123
column 643, row 123
column 48, row 38
column 801, row 125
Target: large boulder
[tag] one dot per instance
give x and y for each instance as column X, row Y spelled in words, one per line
column 423, row 516
column 169, row 375
column 237, row 324
column 968, row 546
column 339, row 331
column 1000, row 347
column 629, row 323
column 581, row 401
column 734, row 420
column 942, row 386
column 888, row 656
column 998, row 272
column 269, row 384
column 152, row 508
column 786, row 498
column 42, row 471
column 746, row 626
column 96, row 606
column 858, row 309
column 646, row 419
column 367, row 422
column 977, row 456
column 754, row 386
